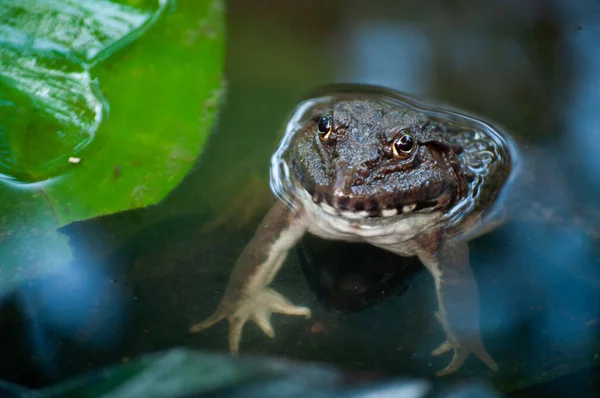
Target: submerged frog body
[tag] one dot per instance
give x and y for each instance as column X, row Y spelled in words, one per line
column 364, row 164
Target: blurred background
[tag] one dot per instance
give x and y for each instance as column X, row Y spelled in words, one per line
column 140, row 278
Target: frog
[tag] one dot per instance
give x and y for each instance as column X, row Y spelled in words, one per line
column 367, row 164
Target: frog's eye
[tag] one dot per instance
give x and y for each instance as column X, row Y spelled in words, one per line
column 403, row 146
column 324, row 126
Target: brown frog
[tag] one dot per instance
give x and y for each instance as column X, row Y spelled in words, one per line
column 366, row 164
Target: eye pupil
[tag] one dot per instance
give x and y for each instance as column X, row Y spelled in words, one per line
column 404, row 144
column 324, row 125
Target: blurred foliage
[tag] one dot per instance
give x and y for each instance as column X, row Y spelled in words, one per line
column 187, row 373
column 157, row 64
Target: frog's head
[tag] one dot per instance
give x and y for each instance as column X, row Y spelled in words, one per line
column 366, row 158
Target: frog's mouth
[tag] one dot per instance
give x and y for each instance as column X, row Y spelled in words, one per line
column 356, row 207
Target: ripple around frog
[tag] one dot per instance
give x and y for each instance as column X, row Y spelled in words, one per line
column 485, row 148
column 51, row 107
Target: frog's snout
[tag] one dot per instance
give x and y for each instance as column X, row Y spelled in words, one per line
column 341, row 180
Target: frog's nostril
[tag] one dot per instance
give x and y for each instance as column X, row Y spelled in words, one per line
column 341, row 202
column 363, row 170
column 358, row 204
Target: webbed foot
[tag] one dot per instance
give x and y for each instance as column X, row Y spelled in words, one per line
column 458, row 302
column 460, row 354
column 257, row 307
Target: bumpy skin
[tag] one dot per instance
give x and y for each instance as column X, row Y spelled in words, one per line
column 349, row 183
column 355, row 168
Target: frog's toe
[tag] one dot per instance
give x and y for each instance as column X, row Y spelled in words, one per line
column 460, row 354
column 217, row 317
column 257, row 307
column 458, row 359
column 236, row 325
column 274, row 302
column 278, row 303
column 486, row 358
column 442, row 349
column 263, row 320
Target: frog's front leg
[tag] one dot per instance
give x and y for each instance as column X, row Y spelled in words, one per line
column 458, row 301
column 248, row 296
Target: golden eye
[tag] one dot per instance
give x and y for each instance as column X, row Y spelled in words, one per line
column 324, row 127
column 403, row 146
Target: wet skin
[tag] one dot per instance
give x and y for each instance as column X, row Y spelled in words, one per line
column 364, row 164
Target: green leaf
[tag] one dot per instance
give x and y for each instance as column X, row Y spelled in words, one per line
column 156, row 64
column 184, row 372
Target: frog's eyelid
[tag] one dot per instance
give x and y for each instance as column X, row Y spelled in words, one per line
column 318, row 115
column 395, row 134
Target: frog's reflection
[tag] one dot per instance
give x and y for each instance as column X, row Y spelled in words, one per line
column 352, row 277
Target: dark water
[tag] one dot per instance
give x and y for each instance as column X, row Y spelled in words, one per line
column 141, row 278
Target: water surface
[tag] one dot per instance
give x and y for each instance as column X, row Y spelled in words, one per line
column 141, row 278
